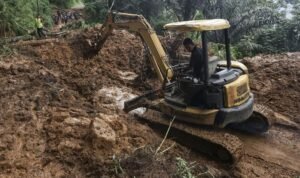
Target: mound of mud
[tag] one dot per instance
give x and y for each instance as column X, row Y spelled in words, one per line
column 59, row 112
column 274, row 80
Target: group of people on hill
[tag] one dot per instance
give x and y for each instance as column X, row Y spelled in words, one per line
column 61, row 17
column 65, row 16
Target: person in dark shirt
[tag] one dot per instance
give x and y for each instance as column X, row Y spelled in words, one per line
column 196, row 60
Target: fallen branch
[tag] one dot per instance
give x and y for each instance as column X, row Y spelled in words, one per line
column 36, row 42
column 166, row 135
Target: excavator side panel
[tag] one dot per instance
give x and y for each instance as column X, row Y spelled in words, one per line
column 189, row 114
column 237, row 92
column 159, row 54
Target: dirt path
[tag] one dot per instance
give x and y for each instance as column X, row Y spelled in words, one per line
column 279, row 146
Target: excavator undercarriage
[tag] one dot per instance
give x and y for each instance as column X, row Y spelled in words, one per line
column 217, row 143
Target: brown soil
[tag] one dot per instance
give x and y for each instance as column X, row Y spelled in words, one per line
column 275, row 82
column 60, row 115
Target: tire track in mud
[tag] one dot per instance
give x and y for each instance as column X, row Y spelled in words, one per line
column 284, row 153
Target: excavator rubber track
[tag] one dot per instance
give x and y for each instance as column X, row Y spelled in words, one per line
column 215, row 143
column 259, row 122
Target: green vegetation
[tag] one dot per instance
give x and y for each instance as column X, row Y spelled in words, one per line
column 96, row 10
column 117, row 165
column 257, row 26
column 280, row 36
column 218, row 49
column 17, row 16
column 184, row 169
column 65, row 3
column 5, row 51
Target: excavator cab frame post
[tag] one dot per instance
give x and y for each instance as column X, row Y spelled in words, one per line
column 205, row 53
column 205, row 56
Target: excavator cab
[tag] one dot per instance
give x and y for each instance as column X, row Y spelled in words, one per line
column 204, row 26
column 225, row 90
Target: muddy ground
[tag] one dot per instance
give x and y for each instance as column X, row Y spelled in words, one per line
column 61, row 115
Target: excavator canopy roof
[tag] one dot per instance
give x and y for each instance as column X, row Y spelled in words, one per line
column 198, row 25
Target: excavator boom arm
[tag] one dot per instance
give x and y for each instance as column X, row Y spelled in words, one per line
column 138, row 24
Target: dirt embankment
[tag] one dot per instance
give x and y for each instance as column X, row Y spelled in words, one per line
column 61, row 116
column 275, row 82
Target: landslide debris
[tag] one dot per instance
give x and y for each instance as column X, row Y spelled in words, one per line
column 54, row 119
column 60, row 113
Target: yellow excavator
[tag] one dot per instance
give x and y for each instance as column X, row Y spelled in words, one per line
column 204, row 110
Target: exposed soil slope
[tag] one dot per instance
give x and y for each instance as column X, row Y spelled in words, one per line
column 275, row 82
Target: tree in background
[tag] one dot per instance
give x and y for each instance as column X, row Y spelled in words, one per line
column 96, row 10
column 256, row 25
column 148, row 8
column 282, row 36
column 244, row 16
column 64, row 3
column 184, row 9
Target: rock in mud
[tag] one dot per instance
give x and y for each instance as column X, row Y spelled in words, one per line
column 76, row 127
column 60, row 116
column 69, row 145
column 103, row 135
column 23, row 116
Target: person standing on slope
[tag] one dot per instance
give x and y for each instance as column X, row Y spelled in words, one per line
column 39, row 27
